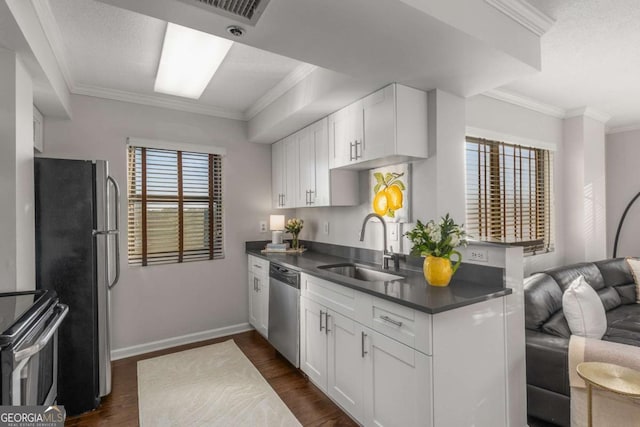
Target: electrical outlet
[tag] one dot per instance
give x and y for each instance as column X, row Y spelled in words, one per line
column 263, row 226
column 479, row 255
column 325, row 227
column 393, row 231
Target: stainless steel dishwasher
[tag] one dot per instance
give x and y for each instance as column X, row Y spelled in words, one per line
column 284, row 312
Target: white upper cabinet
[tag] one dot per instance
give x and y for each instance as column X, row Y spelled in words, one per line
column 277, row 174
column 301, row 175
column 345, row 135
column 387, row 127
column 38, row 130
column 284, row 173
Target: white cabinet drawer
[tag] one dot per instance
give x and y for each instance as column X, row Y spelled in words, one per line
column 404, row 324
column 342, row 299
column 258, row 266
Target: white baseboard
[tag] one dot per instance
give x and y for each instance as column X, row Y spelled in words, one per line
column 135, row 350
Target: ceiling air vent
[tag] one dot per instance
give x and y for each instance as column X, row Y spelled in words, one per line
column 245, row 11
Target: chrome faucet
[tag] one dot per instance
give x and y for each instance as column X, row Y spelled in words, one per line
column 386, row 255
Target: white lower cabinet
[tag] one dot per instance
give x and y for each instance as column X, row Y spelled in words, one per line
column 397, row 383
column 346, row 364
column 377, row 380
column 259, row 294
column 390, row 365
column 313, row 342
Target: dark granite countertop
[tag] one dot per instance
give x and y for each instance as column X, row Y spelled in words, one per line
column 471, row 284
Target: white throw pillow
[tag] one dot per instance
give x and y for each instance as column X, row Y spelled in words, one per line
column 583, row 310
column 634, row 266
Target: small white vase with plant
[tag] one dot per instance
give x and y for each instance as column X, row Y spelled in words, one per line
column 294, row 226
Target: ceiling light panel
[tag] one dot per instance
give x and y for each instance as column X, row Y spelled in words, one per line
column 189, row 60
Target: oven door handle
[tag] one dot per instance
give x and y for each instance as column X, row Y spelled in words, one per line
column 46, row 335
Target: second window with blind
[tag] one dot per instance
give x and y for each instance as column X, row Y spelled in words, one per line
column 509, row 194
column 175, row 210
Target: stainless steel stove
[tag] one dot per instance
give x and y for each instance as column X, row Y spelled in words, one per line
column 29, row 323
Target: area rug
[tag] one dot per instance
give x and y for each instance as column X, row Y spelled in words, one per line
column 214, row 385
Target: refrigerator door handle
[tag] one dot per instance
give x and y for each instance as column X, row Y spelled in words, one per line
column 117, row 229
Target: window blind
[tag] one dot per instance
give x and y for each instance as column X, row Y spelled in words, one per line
column 509, row 194
column 175, row 209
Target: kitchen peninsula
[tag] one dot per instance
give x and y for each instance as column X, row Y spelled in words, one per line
column 400, row 349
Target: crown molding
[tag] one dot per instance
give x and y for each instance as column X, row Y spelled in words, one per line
column 289, row 81
column 588, row 112
column 515, row 139
column 156, row 101
column 621, row 129
column 526, row 102
column 54, row 37
column 525, row 14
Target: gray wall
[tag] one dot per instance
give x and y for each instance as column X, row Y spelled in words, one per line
column 161, row 302
column 623, row 183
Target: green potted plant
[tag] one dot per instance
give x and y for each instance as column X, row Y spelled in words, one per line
column 437, row 242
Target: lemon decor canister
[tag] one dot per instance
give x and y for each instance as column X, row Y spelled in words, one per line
column 437, row 242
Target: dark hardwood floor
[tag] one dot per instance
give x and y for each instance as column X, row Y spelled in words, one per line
column 307, row 402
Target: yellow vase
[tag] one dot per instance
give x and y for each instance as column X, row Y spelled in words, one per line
column 438, row 270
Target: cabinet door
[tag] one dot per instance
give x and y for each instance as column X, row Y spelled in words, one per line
column 277, row 174
column 321, row 195
column 307, row 164
column 313, row 342
column 254, row 302
column 379, row 124
column 346, row 364
column 262, row 285
column 397, row 383
column 38, row 130
column 345, row 132
column 291, row 174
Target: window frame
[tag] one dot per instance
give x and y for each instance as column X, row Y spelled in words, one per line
column 213, row 235
column 539, row 214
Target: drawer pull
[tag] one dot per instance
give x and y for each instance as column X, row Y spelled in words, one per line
column 321, row 313
column 390, row 320
column 257, row 266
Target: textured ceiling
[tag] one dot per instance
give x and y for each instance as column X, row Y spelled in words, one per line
column 590, row 57
column 112, row 48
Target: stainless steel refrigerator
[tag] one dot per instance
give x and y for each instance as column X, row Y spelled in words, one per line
column 77, row 255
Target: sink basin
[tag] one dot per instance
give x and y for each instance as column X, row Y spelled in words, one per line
column 360, row 272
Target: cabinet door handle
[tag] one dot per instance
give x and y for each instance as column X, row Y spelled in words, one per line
column 390, row 320
column 363, row 336
column 358, row 144
column 307, row 199
column 321, row 313
column 311, row 192
column 255, row 285
column 351, row 145
column 326, row 323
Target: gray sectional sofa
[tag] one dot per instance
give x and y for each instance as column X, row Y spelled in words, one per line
column 547, row 331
